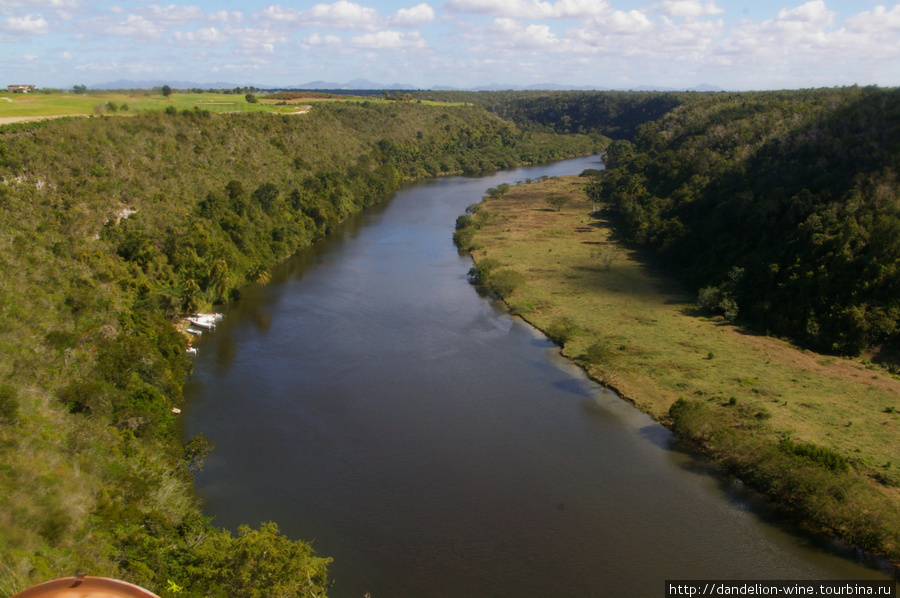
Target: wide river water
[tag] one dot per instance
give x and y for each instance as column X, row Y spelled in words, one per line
column 370, row 401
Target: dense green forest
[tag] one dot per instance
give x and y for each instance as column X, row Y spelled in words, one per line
column 113, row 227
column 782, row 209
column 614, row 114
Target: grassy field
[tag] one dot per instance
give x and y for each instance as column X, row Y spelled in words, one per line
column 39, row 105
column 635, row 330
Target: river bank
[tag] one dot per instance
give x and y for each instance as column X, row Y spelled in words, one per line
column 747, row 401
column 93, row 369
column 436, row 447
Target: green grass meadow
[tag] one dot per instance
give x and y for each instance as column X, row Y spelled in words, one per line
column 71, row 104
column 635, row 330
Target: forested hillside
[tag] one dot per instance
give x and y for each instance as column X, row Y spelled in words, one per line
column 614, row 114
column 782, row 209
column 111, row 228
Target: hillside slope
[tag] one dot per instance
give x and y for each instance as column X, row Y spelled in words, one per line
column 110, row 229
column 781, row 208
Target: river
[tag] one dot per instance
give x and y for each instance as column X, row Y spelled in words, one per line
column 370, row 401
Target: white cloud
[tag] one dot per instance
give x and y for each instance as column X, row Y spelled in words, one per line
column 873, row 36
column 483, row 7
column 134, row 26
column 509, row 33
column 154, row 23
column 695, row 35
column 687, row 8
column 798, row 30
column 807, row 19
column 343, row 15
column 172, row 15
column 412, row 17
column 27, row 25
column 205, row 36
column 279, row 13
column 224, row 16
column 347, row 15
column 532, row 9
column 626, row 22
column 55, row 5
column 320, row 41
column 878, row 21
column 389, row 40
column 255, row 42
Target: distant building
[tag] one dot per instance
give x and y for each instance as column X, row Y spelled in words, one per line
column 20, row 88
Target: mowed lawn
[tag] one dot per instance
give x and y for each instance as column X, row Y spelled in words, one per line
column 661, row 347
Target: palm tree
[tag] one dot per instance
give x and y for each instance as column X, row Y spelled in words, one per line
column 260, row 275
column 217, row 278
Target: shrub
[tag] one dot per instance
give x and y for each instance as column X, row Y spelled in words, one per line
column 195, row 452
column 600, row 353
column 558, row 201
column 887, row 479
column 55, row 525
column 85, row 396
column 606, row 256
column 718, row 301
column 60, row 339
column 521, row 309
column 9, row 404
column 824, row 456
column 693, row 420
column 561, row 331
column 505, row 282
column 146, row 412
column 464, row 239
column 480, row 273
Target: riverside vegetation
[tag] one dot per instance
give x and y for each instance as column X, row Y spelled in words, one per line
column 731, row 216
column 113, row 227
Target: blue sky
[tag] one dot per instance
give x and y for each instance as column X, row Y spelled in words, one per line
column 620, row 44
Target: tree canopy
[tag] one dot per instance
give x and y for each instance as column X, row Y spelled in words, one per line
column 115, row 227
column 798, row 190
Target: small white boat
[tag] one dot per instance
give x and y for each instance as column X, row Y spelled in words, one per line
column 202, row 323
column 193, row 331
column 192, row 351
column 207, row 321
column 214, row 317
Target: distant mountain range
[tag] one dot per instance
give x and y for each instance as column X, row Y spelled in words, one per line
column 131, row 84
column 364, row 84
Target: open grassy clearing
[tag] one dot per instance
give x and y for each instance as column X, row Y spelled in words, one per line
column 657, row 346
column 18, row 106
